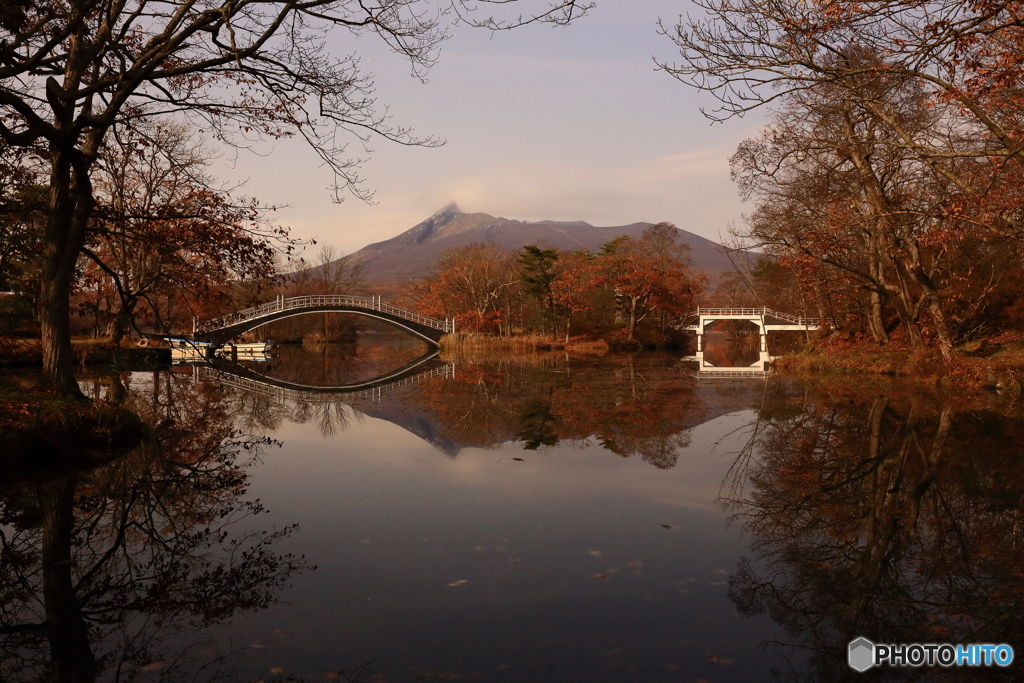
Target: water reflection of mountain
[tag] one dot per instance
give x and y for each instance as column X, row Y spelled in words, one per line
column 417, row 421
column 644, row 405
column 702, row 402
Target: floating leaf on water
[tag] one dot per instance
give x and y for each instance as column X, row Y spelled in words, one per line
column 518, row 459
column 595, row 553
column 668, row 526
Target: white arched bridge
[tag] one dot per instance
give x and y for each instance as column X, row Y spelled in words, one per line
column 220, row 330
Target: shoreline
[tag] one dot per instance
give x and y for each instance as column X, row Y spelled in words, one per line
column 984, row 365
column 990, row 364
column 27, row 353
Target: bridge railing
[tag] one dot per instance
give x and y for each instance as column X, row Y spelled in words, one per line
column 310, row 301
column 763, row 312
column 283, row 393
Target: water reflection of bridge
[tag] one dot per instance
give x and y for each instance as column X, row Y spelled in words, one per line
column 239, row 377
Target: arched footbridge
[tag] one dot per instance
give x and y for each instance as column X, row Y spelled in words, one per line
column 220, row 330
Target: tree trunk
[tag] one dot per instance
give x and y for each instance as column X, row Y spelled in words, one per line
column 65, row 235
column 876, row 319
column 935, row 306
column 632, row 319
column 122, row 322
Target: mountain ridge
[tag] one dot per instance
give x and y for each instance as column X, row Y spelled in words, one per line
column 411, row 254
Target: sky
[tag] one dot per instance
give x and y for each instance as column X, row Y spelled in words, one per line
column 540, row 123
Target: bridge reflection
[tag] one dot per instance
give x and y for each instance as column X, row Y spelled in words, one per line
column 230, row 374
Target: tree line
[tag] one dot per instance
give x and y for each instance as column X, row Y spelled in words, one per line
column 644, row 287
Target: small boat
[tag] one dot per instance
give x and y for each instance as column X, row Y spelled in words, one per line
column 185, row 350
column 258, row 351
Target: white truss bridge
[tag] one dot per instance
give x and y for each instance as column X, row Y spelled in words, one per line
column 766, row 320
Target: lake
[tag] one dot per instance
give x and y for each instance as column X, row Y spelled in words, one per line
column 543, row 518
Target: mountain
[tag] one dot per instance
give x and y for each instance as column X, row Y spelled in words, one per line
column 412, row 254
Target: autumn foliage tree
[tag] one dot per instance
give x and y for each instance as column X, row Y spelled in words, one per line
column 476, row 285
column 572, row 289
column 162, row 230
column 650, row 277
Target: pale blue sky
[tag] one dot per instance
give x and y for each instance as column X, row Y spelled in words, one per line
column 561, row 123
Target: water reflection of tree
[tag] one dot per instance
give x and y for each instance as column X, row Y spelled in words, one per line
column 256, row 412
column 631, row 407
column 897, row 520
column 110, row 573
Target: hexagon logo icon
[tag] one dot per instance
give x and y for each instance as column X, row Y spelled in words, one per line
column 861, row 656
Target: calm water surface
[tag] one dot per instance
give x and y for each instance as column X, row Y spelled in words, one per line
column 544, row 518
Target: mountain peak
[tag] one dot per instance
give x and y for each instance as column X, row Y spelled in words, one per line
column 451, row 207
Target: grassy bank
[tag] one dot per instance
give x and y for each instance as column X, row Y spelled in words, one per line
column 994, row 364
